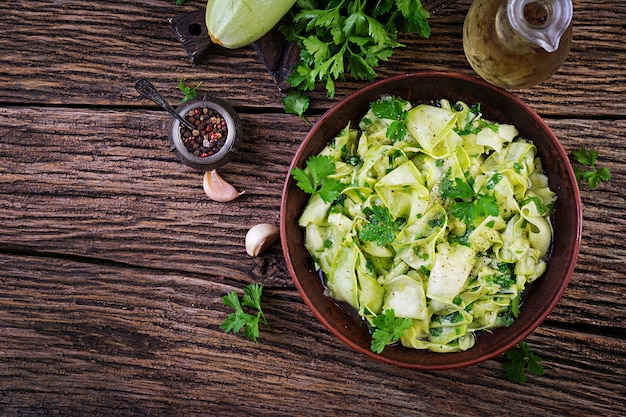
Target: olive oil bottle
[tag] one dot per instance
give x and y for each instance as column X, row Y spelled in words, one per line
column 517, row 43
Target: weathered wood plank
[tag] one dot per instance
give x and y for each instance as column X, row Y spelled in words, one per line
column 120, row 341
column 50, row 56
column 102, row 185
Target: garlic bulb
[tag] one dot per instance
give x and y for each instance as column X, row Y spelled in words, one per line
column 260, row 237
column 217, row 189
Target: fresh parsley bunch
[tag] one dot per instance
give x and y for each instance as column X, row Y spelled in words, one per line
column 339, row 36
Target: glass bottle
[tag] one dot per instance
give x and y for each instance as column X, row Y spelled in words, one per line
column 517, row 43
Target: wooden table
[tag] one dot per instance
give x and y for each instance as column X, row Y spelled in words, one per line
column 113, row 262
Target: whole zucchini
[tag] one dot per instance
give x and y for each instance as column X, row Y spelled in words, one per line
column 236, row 23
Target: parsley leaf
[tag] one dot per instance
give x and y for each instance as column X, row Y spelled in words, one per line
column 189, row 93
column 315, row 180
column 541, row 208
column 240, row 319
column 465, row 203
column 380, row 227
column 392, row 108
column 592, row 176
column 296, row 103
column 330, row 190
column 521, row 359
column 389, row 329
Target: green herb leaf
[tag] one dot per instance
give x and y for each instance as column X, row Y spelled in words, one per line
column 380, row 228
column 541, row 208
column 585, row 156
column 388, row 329
column 455, row 190
column 392, row 108
column 465, row 203
column 240, row 319
column 303, row 180
column 486, row 205
column 189, row 93
column 296, row 103
column 330, row 190
column 521, row 359
column 314, row 178
column 587, row 172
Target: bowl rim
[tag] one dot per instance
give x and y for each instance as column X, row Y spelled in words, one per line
column 535, row 322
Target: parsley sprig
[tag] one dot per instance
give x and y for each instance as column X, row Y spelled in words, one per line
column 586, row 171
column 296, row 103
column 319, row 167
column 188, row 92
column 380, row 227
column 240, row 318
column 392, row 108
column 338, row 36
column 389, row 329
column 467, row 204
column 521, row 359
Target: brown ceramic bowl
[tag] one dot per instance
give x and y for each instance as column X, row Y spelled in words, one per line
column 498, row 105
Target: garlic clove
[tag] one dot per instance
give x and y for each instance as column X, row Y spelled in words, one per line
column 217, row 189
column 260, row 237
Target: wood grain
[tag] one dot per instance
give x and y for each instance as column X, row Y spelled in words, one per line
column 51, row 56
column 113, row 262
column 89, row 338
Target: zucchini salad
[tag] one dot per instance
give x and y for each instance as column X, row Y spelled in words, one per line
column 428, row 220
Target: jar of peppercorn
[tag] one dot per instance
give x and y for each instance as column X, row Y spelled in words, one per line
column 216, row 137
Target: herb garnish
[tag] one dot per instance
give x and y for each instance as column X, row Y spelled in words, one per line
column 521, row 358
column 592, row 175
column 467, row 204
column 380, row 227
column 316, row 180
column 240, row 319
column 392, row 108
column 296, row 103
column 389, row 329
column 189, row 93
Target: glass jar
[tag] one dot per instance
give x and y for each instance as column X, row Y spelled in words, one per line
column 517, row 43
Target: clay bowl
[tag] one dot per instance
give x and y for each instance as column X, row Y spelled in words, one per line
column 539, row 299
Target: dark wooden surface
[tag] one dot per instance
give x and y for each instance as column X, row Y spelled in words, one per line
column 113, row 262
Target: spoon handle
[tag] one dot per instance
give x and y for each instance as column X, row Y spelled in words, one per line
column 149, row 91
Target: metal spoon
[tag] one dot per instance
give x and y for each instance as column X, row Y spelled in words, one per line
column 146, row 89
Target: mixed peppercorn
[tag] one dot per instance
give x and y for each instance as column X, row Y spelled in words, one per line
column 209, row 135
